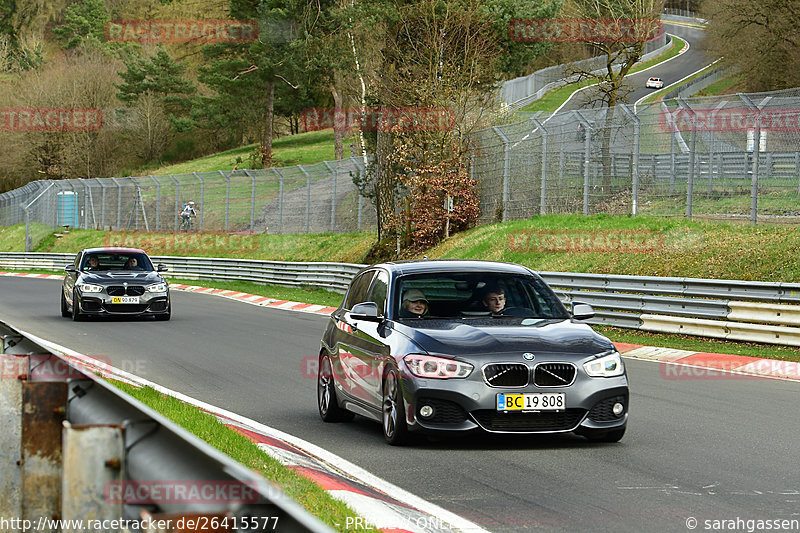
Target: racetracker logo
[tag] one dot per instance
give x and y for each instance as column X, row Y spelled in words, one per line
column 202, row 31
column 573, row 240
column 584, row 30
column 185, row 244
column 47, row 367
column 714, row 368
column 731, row 119
column 161, row 492
column 50, row 119
column 379, row 119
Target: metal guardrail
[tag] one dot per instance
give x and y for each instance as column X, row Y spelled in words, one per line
column 767, row 312
column 74, row 447
column 331, row 276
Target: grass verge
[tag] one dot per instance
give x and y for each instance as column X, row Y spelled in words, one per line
column 301, row 149
column 332, row 247
column 232, row 443
column 727, row 85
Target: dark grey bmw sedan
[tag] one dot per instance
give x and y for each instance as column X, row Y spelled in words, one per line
column 461, row 346
column 114, row 281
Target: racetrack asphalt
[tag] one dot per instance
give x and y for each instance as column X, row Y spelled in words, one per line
column 708, row 446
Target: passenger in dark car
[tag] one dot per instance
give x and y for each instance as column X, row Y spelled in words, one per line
column 414, row 305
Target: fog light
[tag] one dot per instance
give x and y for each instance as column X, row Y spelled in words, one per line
column 426, row 411
column 618, row 409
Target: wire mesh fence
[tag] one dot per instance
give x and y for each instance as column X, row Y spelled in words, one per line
column 732, row 155
column 317, row 198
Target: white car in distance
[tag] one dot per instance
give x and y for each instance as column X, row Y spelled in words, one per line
column 654, row 83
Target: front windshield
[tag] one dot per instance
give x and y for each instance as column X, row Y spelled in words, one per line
column 130, row 261
column 464, row 296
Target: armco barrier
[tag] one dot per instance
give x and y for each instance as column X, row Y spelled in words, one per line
column 73, row 445
column 331, row 276
column 743, row 310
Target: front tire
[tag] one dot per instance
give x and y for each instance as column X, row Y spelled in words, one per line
column 76, row 313
column 64, row 309
column 395, row 430
column 329, row 410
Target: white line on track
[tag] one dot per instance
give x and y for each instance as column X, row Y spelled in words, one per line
column 354, row 471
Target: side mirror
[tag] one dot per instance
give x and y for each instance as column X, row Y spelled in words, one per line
column 582, row 311
column 161, row 268
column 365, row 311
column 69, row 268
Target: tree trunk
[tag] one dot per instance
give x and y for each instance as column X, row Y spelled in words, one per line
column 384, row 186
column 338, row 133
column 606, row 152
column 266, row 137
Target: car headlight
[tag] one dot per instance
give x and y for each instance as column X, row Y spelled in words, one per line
column 427, row 366
column 88, row 287
column 157, row 287
column 605, row 367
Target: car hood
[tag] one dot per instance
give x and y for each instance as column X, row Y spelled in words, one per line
column 542, row 337
column 114, row 277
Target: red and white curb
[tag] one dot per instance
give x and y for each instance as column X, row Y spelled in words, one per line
column 380, row 505
column 685, row 364
column 24, row 275
column 255, row 299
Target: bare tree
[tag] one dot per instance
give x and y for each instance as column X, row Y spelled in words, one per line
column 618, row 31
column 760, row 38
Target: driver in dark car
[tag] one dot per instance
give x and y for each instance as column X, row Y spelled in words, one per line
column 132, row 264
column 494, row 299
column 93, row 263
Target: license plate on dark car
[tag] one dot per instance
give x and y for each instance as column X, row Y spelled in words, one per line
column 532, row 401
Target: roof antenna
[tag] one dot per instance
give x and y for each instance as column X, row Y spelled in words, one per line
column 425, row 257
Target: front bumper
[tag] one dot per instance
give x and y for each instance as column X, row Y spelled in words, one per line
column 102, row 304
column 463, row 405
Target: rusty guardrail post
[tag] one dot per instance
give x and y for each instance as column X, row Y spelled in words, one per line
column 94, row 457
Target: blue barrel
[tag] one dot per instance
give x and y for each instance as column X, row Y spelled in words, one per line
column 67, row 208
